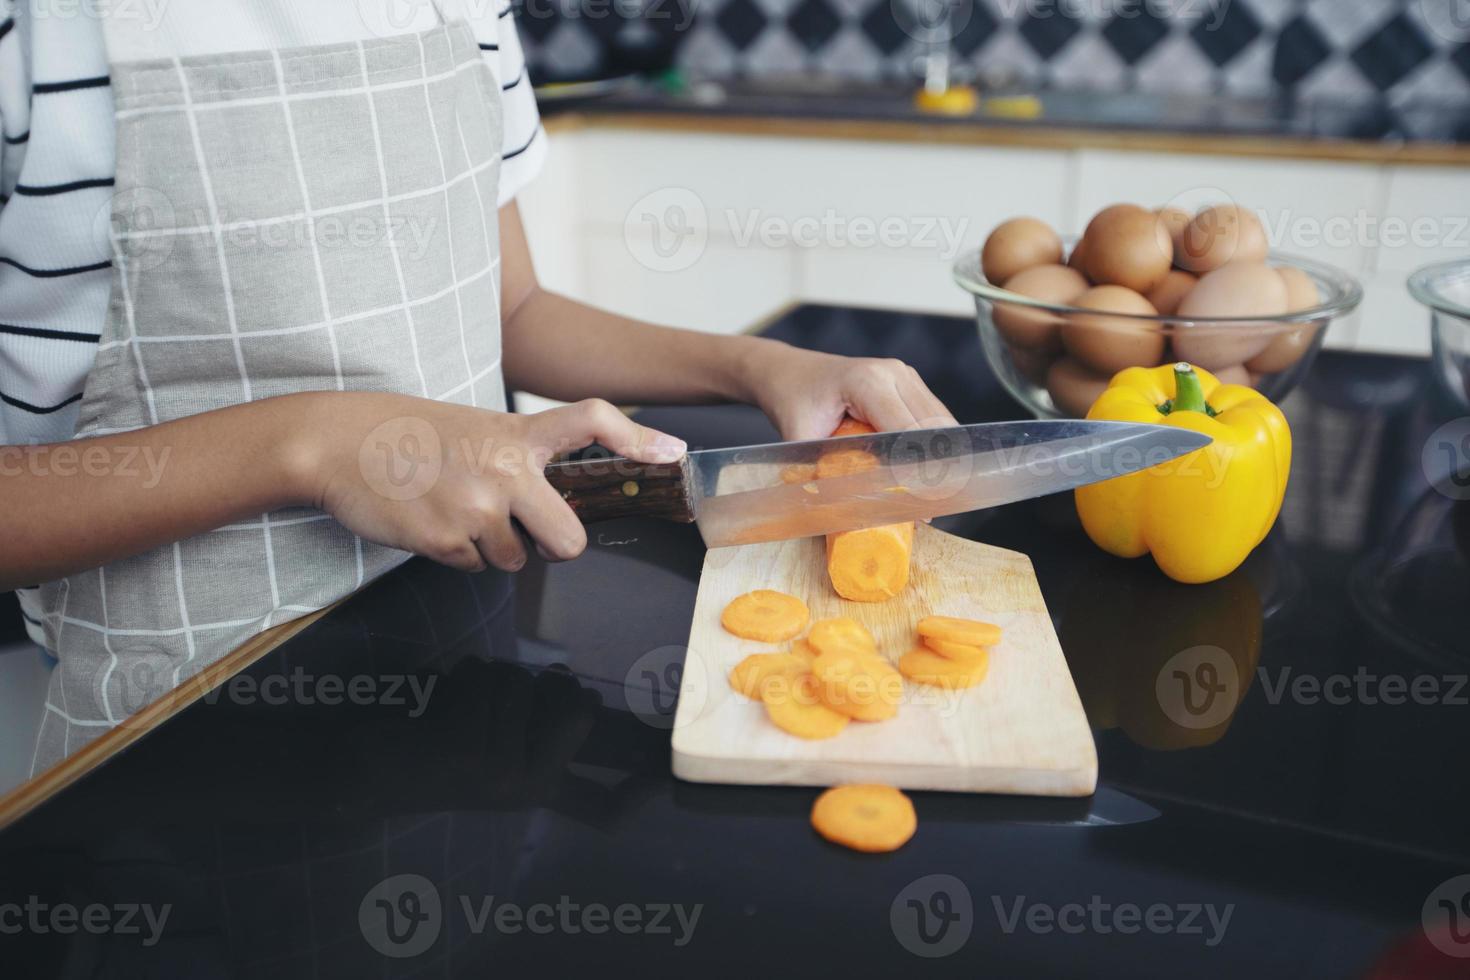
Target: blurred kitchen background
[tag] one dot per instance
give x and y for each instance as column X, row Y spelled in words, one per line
column 714, row 161
column 1340, row 50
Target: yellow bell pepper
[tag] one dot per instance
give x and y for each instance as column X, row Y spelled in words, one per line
column 1199, row 515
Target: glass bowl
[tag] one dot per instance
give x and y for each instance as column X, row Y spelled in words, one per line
column 1445, row 289
column 1271, row 354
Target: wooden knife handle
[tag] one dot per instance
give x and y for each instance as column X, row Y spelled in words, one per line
column 602, row 489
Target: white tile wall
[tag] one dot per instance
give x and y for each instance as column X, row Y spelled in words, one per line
column 1426, row 217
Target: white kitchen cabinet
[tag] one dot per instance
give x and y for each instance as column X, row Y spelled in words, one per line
column 715, row 231
column 1426, row 218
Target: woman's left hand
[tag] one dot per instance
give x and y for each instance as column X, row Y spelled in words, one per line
column 806, row 393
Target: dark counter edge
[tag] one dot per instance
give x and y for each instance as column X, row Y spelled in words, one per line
column 999, row 133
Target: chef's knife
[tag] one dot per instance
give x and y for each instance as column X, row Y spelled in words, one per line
column 778, row 490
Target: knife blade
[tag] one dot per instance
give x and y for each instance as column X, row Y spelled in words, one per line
column 770, row 492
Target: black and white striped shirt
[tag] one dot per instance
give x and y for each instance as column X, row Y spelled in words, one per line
column 57, row 164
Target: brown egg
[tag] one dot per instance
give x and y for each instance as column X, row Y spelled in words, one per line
column 1174, row 219
column 1287, row 348
column 1128, row 247
column 1221, row 234
column 1171, row 290
column 1108, row 344
column 1078, row 259
column 1235, row 290
column 1038, row 329
column 1301, row 289
column 1073, row 388
column 1019, row 244
column 1031, row 364
column 1233, row 374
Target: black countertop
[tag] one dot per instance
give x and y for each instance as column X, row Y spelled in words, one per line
column 809, row 97
column 536, row 770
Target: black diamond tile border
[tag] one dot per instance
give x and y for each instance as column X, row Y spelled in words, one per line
column 1390, row 53
column 814, row 23
column 1222, row 41
column 741, row 21
column 1300, row 48
column 979, row 28
column 1262, row 55
column 1134, row 31
column 882, row 28
column 1048, row 28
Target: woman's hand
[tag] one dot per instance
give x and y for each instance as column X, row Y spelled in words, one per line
column 807, row 393
column 445, row 481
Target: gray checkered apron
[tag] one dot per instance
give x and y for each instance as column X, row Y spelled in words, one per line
column 318, row 218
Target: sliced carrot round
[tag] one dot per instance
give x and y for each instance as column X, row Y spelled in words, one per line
column 799, row 473
column 752, row 675
column 924, row 666
column 865, row 817
column 841, row 633
column 801, row 648
column 971, row 632
column 871, row 565
column 845, row 462
column 955, row 651
column 793, row 704
column 862, row 686
column 765, row 615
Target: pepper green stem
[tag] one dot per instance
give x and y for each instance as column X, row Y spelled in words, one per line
column 1188, row 395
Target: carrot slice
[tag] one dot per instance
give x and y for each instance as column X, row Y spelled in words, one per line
column 841, row 633
column 765, row 615
column 924, row 666
column 752, row 675
column 971, row 632
column 963, row 652
column 866, row 818
column 870, row 565
column 862, row 686
column 793, row 704
column 804, row 650
column 845, row 462
column 799, row 473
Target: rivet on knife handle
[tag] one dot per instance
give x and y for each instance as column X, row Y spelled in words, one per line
column 603, row 489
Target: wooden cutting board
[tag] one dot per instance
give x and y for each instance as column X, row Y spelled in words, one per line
column 1023, row 730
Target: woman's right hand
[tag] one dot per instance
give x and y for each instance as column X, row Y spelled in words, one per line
column 445, row 481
